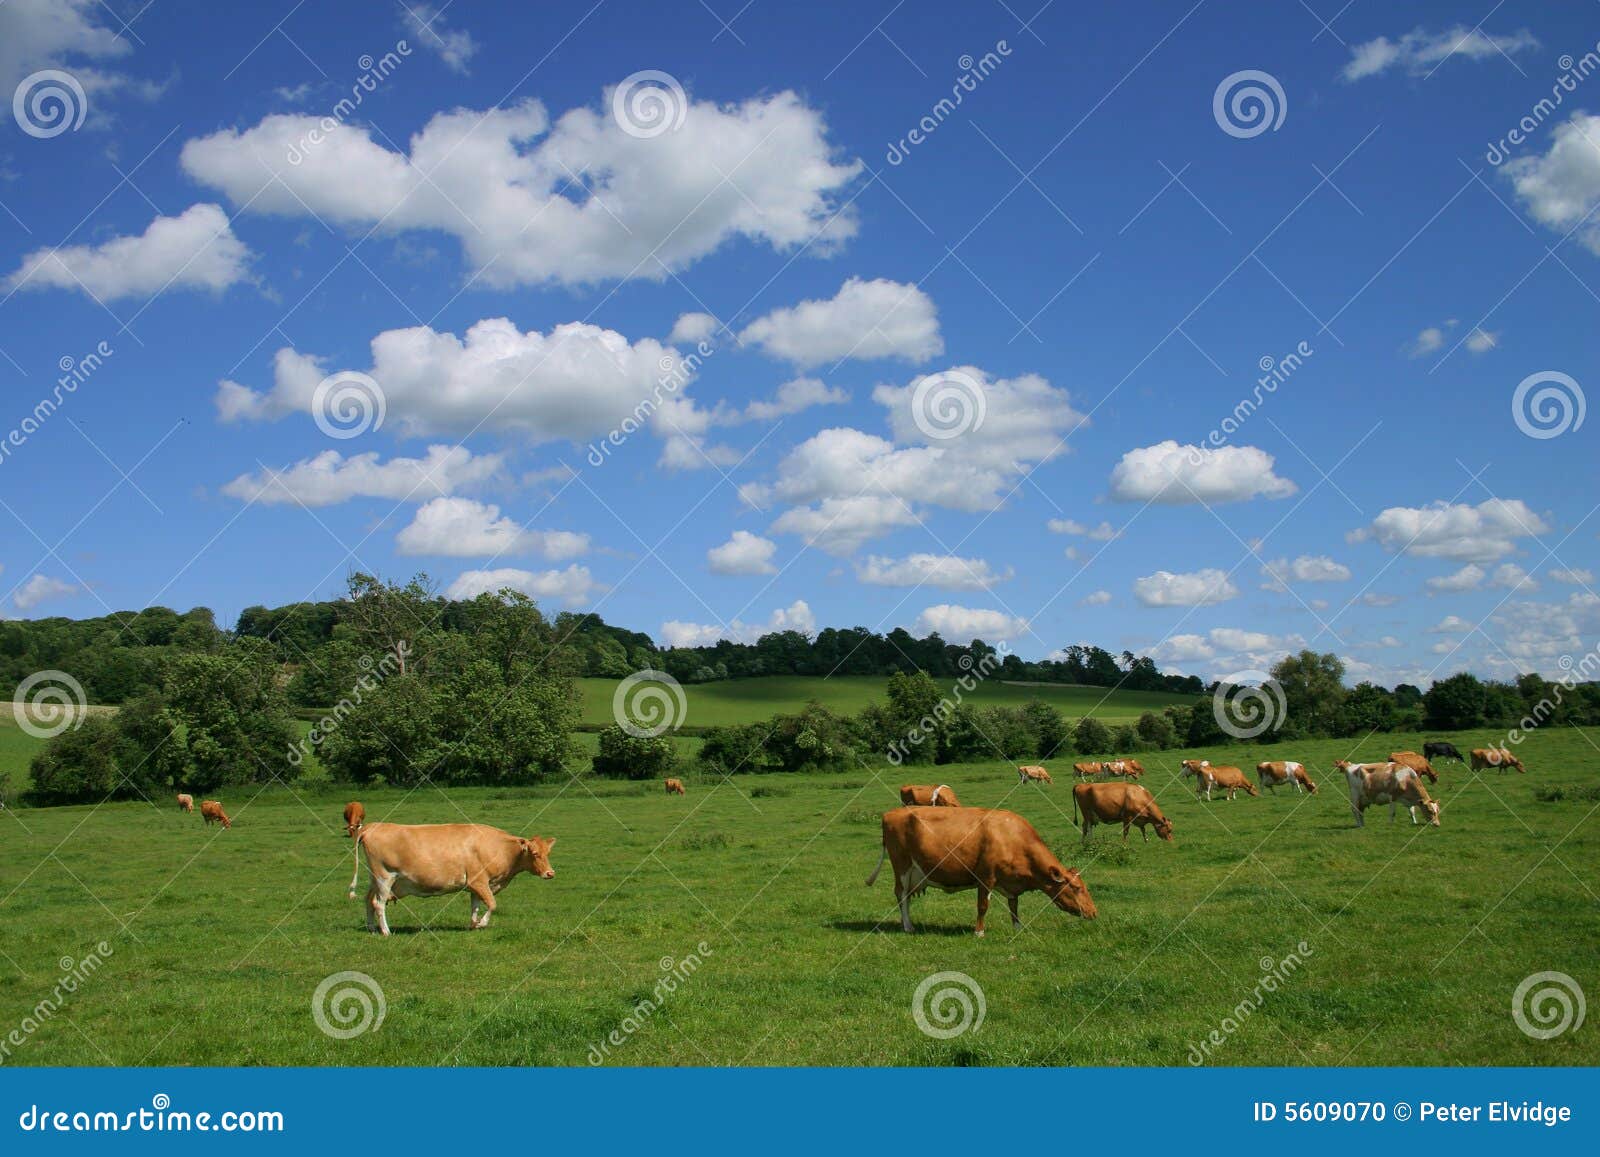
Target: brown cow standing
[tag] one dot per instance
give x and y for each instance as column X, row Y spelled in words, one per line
column 433, row 859
column 1486, row 757
column 186, row 803
column 1224, row 776
column 212, row 812
column 1034, row 772
column 954, row 849
column 354, row 817
column 1390, row 783
column 1127, row 803
column 1087, row 770
column 1277, row 773
column 1126, row 768
column 675, row 787
column 921, row 795
column 1416, row 762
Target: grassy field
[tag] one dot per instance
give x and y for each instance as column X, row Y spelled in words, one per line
column 1411, row 940
column 750, row 700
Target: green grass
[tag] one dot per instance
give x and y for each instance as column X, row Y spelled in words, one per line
column 752, row 700
column 1417, row 936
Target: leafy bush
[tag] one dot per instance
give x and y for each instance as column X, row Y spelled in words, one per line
column 625, row 756
column 1091, row 737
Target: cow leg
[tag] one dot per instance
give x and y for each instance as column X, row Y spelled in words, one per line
column 983, row 906
column 1016, row 920
column 1126, row 824
column 481, row 895
column 902, row 893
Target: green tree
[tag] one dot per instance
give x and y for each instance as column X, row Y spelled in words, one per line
column 1313, row 688
column 1091, row 737
column 626, row 756
column 1455, row 704
column 1156, row 730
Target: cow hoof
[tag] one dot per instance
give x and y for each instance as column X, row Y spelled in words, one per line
column 980, row 933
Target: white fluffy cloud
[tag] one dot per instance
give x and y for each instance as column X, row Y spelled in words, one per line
column 41, row 588
column 1573, row 576
column 1464, row 533
column 744, row 553
column 462, row 528
column 331, row 478
column 1281, row 573
column 1201, row 588
column 1561, row 187
column 841, row 526
column 1419, row 50
column 1451, row 625
column 963, row 623
column 425, row 22
column 1095, row 599
column 571, row 202
column 1468, row 578
column 944, row 571
column 1510, row 576
column 194, row 250
column 692, row 328
column 1549, row 637
column 1227, row 649
column 68, row 34
column 1481, row 341
column 1105, row 532
column 796, row 616
column 1176, row 475
column 1430, row 340
column 865, row 319
column 574, row 586
column 793, row 397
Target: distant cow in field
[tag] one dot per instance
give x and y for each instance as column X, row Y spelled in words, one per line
column 1274, row 774
column 922, row 795
column 1193, row 767
column 1439, row 749
column 1487, row 757
column 675, row 787
column 1417, row 763
column 1087, row 770
column 1224, row 777
column 212, row 812
column 186, row 803
column 1034, row 772
column 1126, row 768
column 1124, row 803
column 434, row 859
column 354, row 816
column 1390, row 783
column 954, row 849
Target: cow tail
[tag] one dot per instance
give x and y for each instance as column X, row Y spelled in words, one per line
column 882, row 856
column 355, row 850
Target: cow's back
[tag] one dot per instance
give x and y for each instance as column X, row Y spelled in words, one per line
column 1108, row 801
column 954, row 846
column 436, row 856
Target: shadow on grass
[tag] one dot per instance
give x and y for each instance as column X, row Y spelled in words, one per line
column 892, row 926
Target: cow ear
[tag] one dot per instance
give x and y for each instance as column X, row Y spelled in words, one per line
column 1056, row 873
column 550, row 843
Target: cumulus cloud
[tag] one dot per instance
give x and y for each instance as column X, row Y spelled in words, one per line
column 865, row 319
column 453, row 46
column 944, row 571
column 1481, row 341
column 841, row 526
column 1451, row 625
column 793, row 397
column 1420, row 51
column 1461, row 532
column 462, row 528
column 1468, row 578
column 572, row 201
column 1561, row 188
column 1201, row 588
column 1430, row 340
column 1281, row 573
column 1375, row 599
column 796, row 616
column 1573, row 576
column 41, row 588
column 963, row 623
column 1228, row 649
column 1174, row 474
column 330, row 477
column 1549, row 637
column 744, row 553
column 1095, row 599
column 1105, row 532
column 68, row 35
column 574, row 586
column 692, row 328
column 194, row 250
column 1510, row 576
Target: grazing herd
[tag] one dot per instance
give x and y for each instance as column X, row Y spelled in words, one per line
column 932, row 840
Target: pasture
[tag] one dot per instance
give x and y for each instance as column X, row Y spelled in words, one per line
column 1414, row 938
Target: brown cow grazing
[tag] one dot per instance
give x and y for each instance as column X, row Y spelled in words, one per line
column 1127, row 768
column 1277, row 773
column 212, row 812
column 1127, row 803
column 1034, row 772
column 1417, row 763
column 954, row 849
column 354, row 817
column 1087, row 770
column 433, row 859
column 1225, row 777
column 186, row 803
column 1486, row 757
column 1390, row 783
column 921, row 795
column 1194, row 767
column 675, row 787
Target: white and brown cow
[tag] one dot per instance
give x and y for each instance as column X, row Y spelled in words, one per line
column 435, row 859
column 1033, row 772
column 1276, row 773
column 1390, row 783
column 924, row 795
column 1484, row 758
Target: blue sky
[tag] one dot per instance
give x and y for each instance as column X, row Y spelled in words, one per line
column 989, row 366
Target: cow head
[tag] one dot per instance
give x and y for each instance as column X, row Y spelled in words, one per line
column 1163, row 828
column 1432, row 808
column 534, row 857
column 1070, row 893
